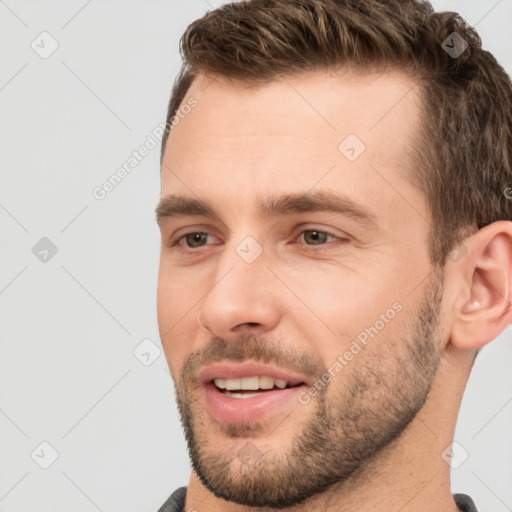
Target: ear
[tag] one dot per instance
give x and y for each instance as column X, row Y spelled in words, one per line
column 482, row 284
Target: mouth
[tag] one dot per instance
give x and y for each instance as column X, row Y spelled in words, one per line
column 247, row 387
column 248, row 392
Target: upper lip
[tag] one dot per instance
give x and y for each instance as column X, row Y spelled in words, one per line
column 239, row 371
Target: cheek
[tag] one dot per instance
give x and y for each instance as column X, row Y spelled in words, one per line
column 178, row 292
column 344, row 300
column 347, row 311
column 178, row 300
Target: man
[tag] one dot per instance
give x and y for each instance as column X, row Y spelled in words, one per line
column 336, row 248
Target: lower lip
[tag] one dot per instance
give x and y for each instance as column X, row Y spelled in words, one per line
column 245, row 410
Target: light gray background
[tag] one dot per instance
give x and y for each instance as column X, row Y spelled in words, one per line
column 68, row 328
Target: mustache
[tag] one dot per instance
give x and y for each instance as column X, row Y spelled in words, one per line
column 253, row 348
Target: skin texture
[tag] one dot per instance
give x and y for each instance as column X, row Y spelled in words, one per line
column 373, row 438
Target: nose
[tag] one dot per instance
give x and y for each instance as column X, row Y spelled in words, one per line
column 243, row 298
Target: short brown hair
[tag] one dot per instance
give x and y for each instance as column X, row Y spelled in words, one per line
column 463, row 159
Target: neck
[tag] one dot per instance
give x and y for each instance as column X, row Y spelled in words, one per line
column 409, row 475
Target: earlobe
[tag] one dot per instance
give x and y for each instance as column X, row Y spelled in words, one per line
column 486, row 275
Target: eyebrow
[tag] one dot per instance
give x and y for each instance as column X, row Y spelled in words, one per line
column 172, row 206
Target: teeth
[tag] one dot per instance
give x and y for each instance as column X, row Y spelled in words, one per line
column 220, row 383
column 266, row 382
column 250, row 383
column 237, row 395
column 232, row 383
column 280, row 383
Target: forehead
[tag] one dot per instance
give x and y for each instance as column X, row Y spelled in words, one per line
column 288, row 133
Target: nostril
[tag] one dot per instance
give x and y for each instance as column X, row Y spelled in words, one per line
column 248, row 324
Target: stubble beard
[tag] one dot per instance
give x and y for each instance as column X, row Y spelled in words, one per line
column 348, row 427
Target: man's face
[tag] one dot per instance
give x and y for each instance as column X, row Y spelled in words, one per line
column 309, row 257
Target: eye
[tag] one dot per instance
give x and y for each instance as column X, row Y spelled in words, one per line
column 193, row 239
column 317, row 237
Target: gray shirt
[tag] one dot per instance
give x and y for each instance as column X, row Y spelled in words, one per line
column 176, row 503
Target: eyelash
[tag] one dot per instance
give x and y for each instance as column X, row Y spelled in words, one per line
column 176, row 243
